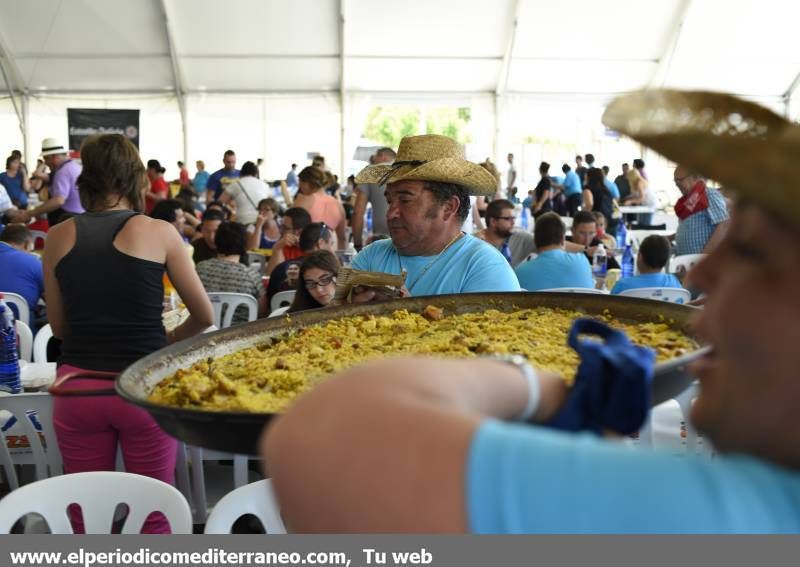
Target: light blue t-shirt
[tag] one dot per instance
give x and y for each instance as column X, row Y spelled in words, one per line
column 469, row 265
column 526, row 479
column 200, row 181
column 646, row 280
column 612, row 187
column 572, row 184
column 555, row 268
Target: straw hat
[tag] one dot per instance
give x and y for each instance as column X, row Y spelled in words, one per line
column 745, row 147
column 52, row 146
column 431, row 158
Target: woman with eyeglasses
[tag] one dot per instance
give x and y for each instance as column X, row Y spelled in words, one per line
column 317, row 283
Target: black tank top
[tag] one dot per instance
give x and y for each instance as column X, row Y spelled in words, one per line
column 112, row 301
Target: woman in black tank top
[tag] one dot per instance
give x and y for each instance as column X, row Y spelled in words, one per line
column 104, row 287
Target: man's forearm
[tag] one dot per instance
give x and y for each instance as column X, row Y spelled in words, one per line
column 48, row 206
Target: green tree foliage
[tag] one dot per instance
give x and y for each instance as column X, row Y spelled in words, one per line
column 387, row 125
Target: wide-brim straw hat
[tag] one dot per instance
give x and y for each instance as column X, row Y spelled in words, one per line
column 53, row 146
column 745, row 147
column 431, row 158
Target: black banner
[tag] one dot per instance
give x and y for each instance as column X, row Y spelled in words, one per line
column 84, row 122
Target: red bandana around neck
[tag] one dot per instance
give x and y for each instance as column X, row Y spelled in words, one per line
column 694, row 202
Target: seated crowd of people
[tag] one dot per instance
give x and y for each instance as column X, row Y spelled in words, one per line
column 100, row 248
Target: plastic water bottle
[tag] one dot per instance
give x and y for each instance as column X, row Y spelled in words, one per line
column 9, row 364
column 600, row 261
column 348, row 254
column 627, row 262
column 622, row 236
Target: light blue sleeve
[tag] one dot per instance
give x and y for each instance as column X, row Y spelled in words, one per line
column 525, row 479
column 612, row 188
column 583, row 268
column 489, row 271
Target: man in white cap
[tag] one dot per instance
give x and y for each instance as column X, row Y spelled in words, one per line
column 64, row 201
column 427, row 190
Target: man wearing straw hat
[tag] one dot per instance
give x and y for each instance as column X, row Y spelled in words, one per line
column 428, row 189
column 64, row 201
column 445, row 456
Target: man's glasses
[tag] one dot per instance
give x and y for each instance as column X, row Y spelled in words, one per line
column 322, row 282
column 510, row 219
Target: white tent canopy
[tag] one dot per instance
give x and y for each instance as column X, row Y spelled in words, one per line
column 210, row 70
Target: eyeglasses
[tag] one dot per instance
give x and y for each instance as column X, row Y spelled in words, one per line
column 510, row 219
column 322, row 282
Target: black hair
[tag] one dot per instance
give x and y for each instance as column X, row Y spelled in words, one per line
column 165, row 210
column 544, row 167
column 589, row 159
column 213, row 215
column 605, row 169
column 443, row 191
column 655, row 251
column 249, row 169
column 229, row 153
column 155, row 165
column 496, row 207
column 300, row 217
column 322, row 259
column 565, row 168
column 226, row 210
column 12, row 158
column 231, row 239
column 638, row 163
column 582, row 217
column 312, row 234
column 548, row 230
column 16, row 233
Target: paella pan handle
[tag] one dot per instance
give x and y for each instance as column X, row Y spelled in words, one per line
column 59, row 387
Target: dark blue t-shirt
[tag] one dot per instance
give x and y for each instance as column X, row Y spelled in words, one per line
column 14, row 188
column 219, row 179
column 21, row 273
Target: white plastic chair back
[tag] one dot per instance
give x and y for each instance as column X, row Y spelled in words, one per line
column 25, row 340
column 21, row 305
column 37, row 236
column 574, row 290
column 257, row 499
column 279, row 311
column 671, row 294
column 258, row 261
column 281, row 299
column 98, row 494
column 40, row 343
column 225, row 305
column 25, row 440
column 210, row 484
column 685, row 261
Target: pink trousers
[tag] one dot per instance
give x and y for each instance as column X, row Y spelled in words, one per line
column 89, row 428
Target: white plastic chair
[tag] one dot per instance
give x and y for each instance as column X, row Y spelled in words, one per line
column 23, row 442
column 25, row 340
column 256, row 259
column 228, row 302
column 685, row 261
column 40, row 343
column 257, row 499
column 279, row 311
column 20, row 303
column 670, row 294
column 98, row 494
column 575, row 290
column 281, row 299
column 210, row 482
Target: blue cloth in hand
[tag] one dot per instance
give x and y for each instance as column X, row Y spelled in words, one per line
column 612, row 387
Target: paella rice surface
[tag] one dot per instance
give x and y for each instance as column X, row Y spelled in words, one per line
column 267, row 377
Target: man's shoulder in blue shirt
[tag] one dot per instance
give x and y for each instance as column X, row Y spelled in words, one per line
column 21, row 273
column 554, row 269
column 572, row 183
column 659, row 279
